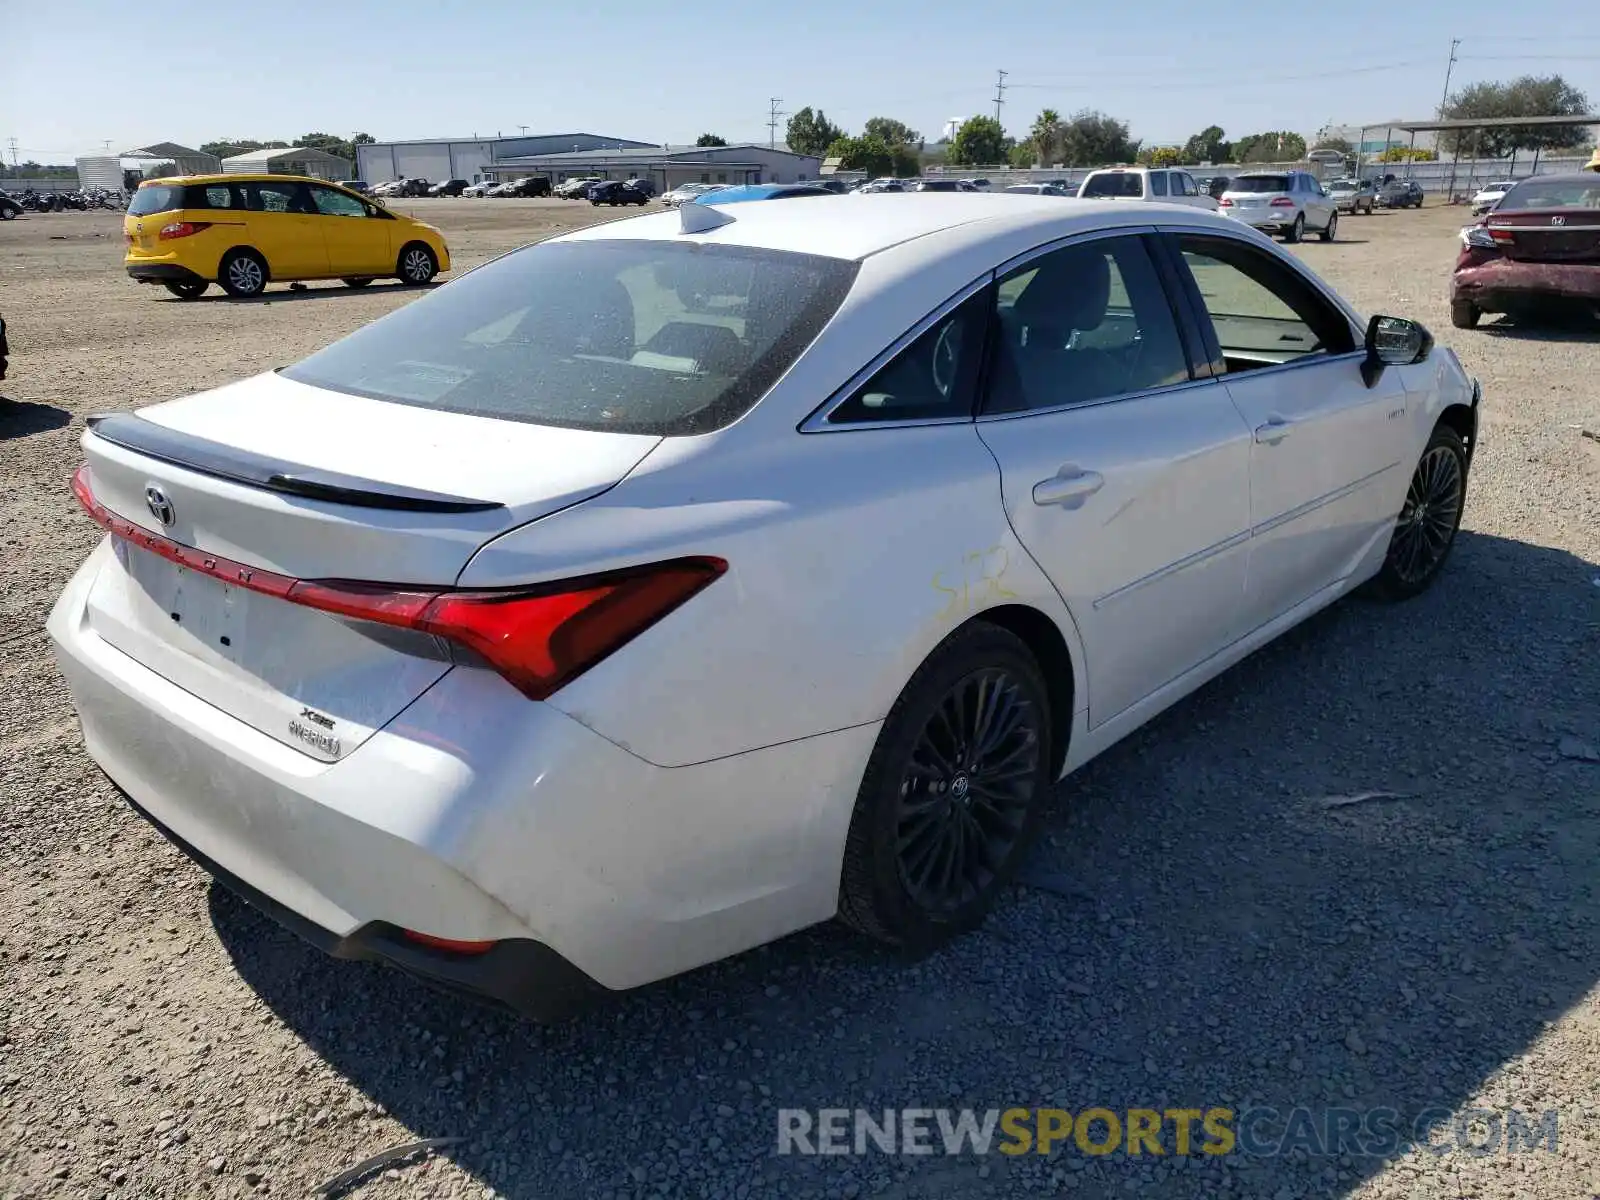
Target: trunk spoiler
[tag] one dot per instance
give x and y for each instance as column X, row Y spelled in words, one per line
column 270, row 474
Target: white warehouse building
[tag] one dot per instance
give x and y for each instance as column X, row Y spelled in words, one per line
column 437, row 159
column 667, row 166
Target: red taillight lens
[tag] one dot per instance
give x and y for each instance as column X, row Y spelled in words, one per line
column 537, row 638
column 1282, row 202
column 1502, row 235
column 182, row 229
column 1224, row 203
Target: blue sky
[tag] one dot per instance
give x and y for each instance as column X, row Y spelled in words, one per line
column 76, row 73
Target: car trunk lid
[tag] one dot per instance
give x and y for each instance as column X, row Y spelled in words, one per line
column 1564, row 235
column 271, row 480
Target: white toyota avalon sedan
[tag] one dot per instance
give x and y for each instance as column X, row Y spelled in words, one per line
column 680, row 582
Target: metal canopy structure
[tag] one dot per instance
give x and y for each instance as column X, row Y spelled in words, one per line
column 185, row 160
column 1486, row 123
column 1461, row 124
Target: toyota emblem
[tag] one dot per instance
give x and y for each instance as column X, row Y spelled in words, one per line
column 158, row 504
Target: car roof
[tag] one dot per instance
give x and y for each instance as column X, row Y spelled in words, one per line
column 238, row 177
column 816, row 225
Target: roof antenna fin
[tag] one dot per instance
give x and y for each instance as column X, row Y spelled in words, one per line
column 700, row 218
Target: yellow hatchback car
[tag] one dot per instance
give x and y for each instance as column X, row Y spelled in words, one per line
column 245, row 231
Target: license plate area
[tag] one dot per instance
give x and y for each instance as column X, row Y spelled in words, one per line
column 208, row 616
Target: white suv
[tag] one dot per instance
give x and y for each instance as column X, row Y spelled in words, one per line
column 1159, row 185
column 1290, row 203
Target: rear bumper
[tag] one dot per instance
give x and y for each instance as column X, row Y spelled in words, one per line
column 477, row 815
column 519, row 974
column 159, row 272
column 1504, row 285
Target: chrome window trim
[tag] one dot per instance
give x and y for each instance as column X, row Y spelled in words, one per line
column 1093, row 235
column 1120, row 398
column 817, row 422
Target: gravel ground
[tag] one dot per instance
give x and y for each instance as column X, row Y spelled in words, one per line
column 1200, row 928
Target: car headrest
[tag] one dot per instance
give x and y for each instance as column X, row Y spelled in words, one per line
column 1070, row 291
column 716, row 349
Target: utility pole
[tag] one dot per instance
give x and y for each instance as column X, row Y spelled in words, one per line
column 523, row 129
column 13, row 144
column 1455, row 44
column 999, row 94
column 772, row 121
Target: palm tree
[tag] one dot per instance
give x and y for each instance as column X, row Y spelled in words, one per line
column 1045, row 134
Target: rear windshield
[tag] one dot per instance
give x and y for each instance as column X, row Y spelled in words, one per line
column 1260, row 183
column 1115, row 184
column 1552, row 193
column 155, row 199
column 620, row 336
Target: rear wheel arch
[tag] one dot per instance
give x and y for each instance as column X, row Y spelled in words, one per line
column 1044, row 639
column 241, row 249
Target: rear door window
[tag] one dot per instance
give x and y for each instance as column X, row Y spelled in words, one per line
column 278, row 197
column 1091, row 321
column 212, row 195
column 1158, row 183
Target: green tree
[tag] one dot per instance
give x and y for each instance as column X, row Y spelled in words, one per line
column 1529, row 96
column 904, row 162
column 710, row 139
column 1341, row 145
column 1275, row 145
column 1023, row 155
column 866, row 153
column 1396, row 154
column 1092, row 139
column 893, row 133
column 980, row 140
column 811, row 132
column 1045, row 135
column 1209, row 145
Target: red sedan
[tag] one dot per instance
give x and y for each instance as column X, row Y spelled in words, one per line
column 1538, row 250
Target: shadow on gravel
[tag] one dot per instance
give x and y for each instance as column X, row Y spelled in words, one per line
column 19, row 418
column 1207, row 926
column 311, row 292
column 1555, row 326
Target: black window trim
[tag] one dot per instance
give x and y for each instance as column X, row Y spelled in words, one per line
column 818, row 420
column 1208, row 331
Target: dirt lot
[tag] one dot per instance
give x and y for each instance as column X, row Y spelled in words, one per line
column 1199, row 927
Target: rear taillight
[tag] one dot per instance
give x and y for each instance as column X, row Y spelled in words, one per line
column 537, row 638
column 182, row 229
column 1479, row 238
column 1282, row 202
column 1224, row 203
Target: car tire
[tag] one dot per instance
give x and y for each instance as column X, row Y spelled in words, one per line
column 922, row 812
column 1464, row 314
column 1425, row 531
column 7, row 213
column 416, row 265
column 243, row 274
column 187, row 289
column 1332, row 229
column 356, row 283
column 1297, row 231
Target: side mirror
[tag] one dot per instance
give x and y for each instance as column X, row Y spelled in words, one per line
column 1393, row 342
column 379, row 201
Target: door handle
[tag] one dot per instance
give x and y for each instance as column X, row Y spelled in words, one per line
column 1273, row 432
column 1069, row 490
